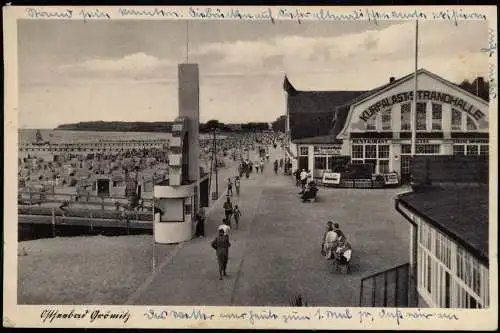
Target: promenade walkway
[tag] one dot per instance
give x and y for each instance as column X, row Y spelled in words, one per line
column 275, row 254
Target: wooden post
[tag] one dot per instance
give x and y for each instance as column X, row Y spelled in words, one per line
column 53, row 223
column 90, row 221
column 128, row 223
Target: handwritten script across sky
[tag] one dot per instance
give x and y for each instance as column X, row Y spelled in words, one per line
column 270, row 14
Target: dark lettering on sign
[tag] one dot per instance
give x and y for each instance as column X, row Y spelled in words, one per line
column 424, row 95
column 369, row 141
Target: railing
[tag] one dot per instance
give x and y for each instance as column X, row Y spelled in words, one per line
column 390, row 288
column 80, row 198
column 87, row 213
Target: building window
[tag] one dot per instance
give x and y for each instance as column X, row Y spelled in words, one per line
column 320, row 162
column 383, row 166
column 370, row 151
column 421, row 117
column 471, row 126
column 437, row 117
column 406, row 117
column 484, row 150
column 371, row 124
column 303, row 151
column 448, row 275
column 405, row 149
column 456, row 120
column 386, row 120
column 375, row 154
column 383, row 151
column 357, row 151
column 472, row 150
column 459, row 150
column 428, row 149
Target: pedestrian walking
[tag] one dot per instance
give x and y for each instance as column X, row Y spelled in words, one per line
column 225, row 227
column 297, row 177
column 237, row 185
column 229, row 187
column 221, row 246
column 276, row 166
column 228, row 210
column 236, row 214
column 200, row 224
column 303, row 180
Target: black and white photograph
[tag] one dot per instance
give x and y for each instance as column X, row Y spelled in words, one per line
column 192, row 161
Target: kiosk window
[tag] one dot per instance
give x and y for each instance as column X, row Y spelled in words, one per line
column 406, row 117
column 421, row 117
column 456, row 120
column 170, row 210
column 437, row 117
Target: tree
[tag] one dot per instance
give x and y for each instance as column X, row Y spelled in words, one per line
column 214, row 124
column 279, row 125
column 478, row 87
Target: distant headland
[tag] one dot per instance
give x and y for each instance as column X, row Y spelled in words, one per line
column 166, row 126
column 117, row 126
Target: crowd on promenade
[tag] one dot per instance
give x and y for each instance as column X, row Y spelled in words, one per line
column 239, row 148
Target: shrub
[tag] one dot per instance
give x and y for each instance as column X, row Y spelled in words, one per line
column 298, row 301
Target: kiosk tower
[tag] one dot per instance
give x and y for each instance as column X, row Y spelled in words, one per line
column 178, row 200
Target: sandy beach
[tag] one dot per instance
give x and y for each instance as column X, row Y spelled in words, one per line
column 84, row 270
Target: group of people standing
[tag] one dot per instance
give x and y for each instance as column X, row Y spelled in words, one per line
column 335, row 246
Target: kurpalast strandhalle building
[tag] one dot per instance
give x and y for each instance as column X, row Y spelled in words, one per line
column 329, row 129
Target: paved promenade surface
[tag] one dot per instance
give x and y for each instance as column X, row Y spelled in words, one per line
column 275, row 254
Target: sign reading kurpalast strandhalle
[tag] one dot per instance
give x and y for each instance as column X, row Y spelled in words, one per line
column 422, row 95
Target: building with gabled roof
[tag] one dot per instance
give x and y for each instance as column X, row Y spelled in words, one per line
column 328, row 128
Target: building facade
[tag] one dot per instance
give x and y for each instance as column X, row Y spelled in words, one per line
column 374, row 127
column 449, row 251
column 449, row 212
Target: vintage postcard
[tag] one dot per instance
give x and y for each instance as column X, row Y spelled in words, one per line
column 251, row 167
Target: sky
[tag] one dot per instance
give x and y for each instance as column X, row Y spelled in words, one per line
column 72, row 71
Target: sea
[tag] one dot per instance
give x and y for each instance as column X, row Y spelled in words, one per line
column 59, row 136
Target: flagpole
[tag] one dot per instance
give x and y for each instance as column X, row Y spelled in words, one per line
column 415, row 87
column 187, row 41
